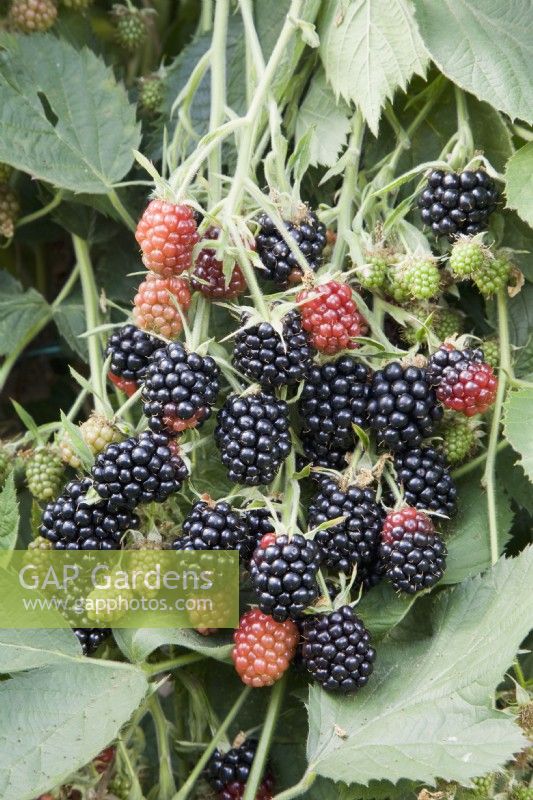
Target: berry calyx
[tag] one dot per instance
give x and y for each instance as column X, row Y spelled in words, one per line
column 166, row 234
column 468, row 257
column 330, row 316
column 454, row 203
column 32, row 16
column 44, row 473
column 464, row 381
column 208, row 276
column 9, row 211
column 263, row 648
column 459, row 439
column 157, row 302
column 412, row 554
column 279, row 263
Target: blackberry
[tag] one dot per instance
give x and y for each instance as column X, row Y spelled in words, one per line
column 72, row 522
column 215, row 526
column 412, row 553
column 44, row 473
column 337, row 650
column 333, row 399
column 283, row 574
column 355, row 540
column 447, row 358
column 130, row 350
column 141, row 469
column 272, row 360
column 91, row 638
column 464, row 381
column 130, row 28
column 259, row 522
column 179, row 389
column 458, row 439
column 455, row 203
column 253, row 437
column 227, row 773
column 151, row 95
column 278, row 261
column 403, row 406
column 493, row 277
column 322, row 455
column 425, row 476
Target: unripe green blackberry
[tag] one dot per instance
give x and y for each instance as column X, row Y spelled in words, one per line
column 373, row 274
column 37, row 558
column 442, row 322
column 420, row 277
column 77, row 5
column 151, row 95
column 445, row 322
column 458, row 439
column 44, row 473
column 483, row 786
column 130, row 28
column 120, row 787
column 105, row 606
column 98, row 432
column 4, row 465
column 494, row 276
column 9, row 211
column 491, row 351
column 467, row 258
column 66, row 450
column 522, row 793
column 6, row 171
column 31, row 16
column 395, row 285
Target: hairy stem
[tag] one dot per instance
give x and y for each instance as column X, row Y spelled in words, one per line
column 267, row 732
column 167, row 786
column 92, row 316
column 218, row 96
column 478, row 461
column 347, row 195
column 125, row 216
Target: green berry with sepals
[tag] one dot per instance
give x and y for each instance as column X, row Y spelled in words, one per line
column 9, row 211
column 98, row 431
column 107, row 605
column 130, row 28
column 395, row 286
column 420, row 276
column 483, row 786
column 373, row 274
column 151, row 95
column 491, row 351
column 468, row 256
column 522, row 793
column 120, row 787
column 67, row 451
column 494, row 275
column 44, row 473
column 446, row 322
column 460, row 438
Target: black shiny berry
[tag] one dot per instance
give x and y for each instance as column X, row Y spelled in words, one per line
column 322, row 455
column 279, row 263
column 259, row 522
column 71, row 522
column 253, row 437
column 179, row 389
column 355, row 541
column 142, row 469
column 283, row 575
column 91, row 638
column 130, row 350
column 453, row 203
column 272, row 360
column 403, row 407
column 424, row 475
column 337, row 650
column 227, row 773
column 216, row 526
column 447, row 359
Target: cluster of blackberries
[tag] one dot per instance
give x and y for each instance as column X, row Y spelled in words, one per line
column 279, row 263
column 458, row 203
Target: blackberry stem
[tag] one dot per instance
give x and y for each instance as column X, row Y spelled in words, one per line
column 348, row 190
column 171, row 664
column 393, row 486
column 298, row 789
column 92, row 315
column 167, row 786
column 478, row 461
column 272, row 714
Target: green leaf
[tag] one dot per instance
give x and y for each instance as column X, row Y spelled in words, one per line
column 520, row 310
column 28, row 420
column 427, row 711
column 328, row 120
column 138, row 644
column 79, row 126
column 369, row 48
column 484, row 47
column 468, row 544
column 24, row 649
column 70, row 320
column 517, row 426
column 9, row 514
column 514, row 479
column 76, row 705
column 381, row 609
column 519, row 186
column 20, row 312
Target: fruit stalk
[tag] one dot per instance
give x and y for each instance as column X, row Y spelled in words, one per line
column 167, row 786
column 299, row 788
column 267, row 732
column 348, row 191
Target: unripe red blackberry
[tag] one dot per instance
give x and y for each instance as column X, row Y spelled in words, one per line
column 151, row 95
column 468, row 257
column 494, row 276
column 455, row 203
column 156, row 305
column 463, row 381
column 263, row 648
column 412, row 554
column 130, row 28
column 330, row 316
column 32, row 16
column 208, row 275
column 166, row 234
column 44, row 473
column 278, row 261
column 9, row 211
column 459, row 439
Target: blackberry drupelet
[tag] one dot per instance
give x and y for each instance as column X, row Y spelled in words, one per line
column 179, row 389
column 412, row 553
column 215, row 526
column 270, row 359
column 425, row 476
column 130, row 350
column 355, row 540
column 455, row 203
column 403, row 407
column 91, row 638
column 283, row 574
column 278, row 261
column 464, row 381
column 71, row 522
column 333, row 399
column 227, row 773
column 141, row 469
column 337, row 651
column 253, row 437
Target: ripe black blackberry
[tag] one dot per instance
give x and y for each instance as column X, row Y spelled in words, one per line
column 337, row 651
column 215, row 526
column 271, row 360
column 427, row 483
column 283, row 575
column 71, row 522
column 259, row 522
column 321, row 455
column 179, row 389
column 253, row 437
column 91, row 638
column 355, row 540
column 334, row 398
column 130, row 350
column 455, row 203
column 227, row 773
column 403, row 407
column 142, row 469
column 412, row 553
column 278, row 261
